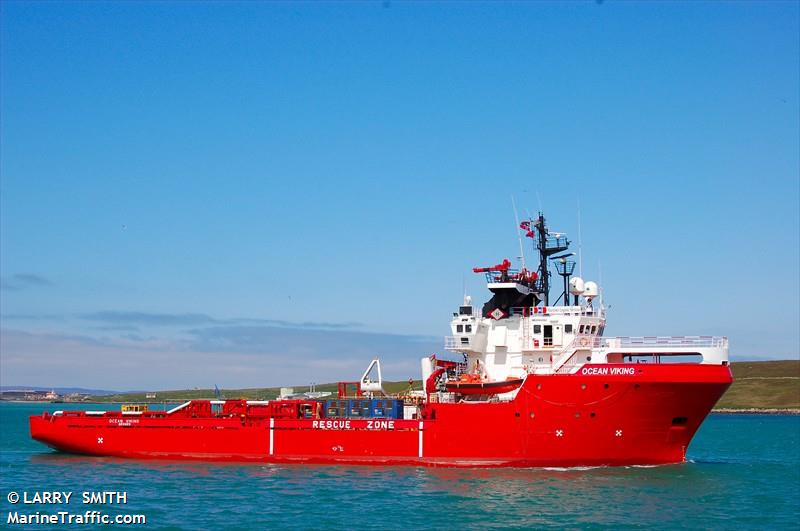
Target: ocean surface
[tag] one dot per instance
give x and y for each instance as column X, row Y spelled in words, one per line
column 743, row 472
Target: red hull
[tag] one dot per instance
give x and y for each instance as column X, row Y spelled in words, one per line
column 645, row 414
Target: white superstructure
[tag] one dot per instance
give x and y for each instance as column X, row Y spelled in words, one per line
column 517, row 333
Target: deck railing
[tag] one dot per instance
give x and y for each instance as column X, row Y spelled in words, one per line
column 571, row 356
column 457, row 342
column 568, row 355
column 665, row 341
column 557, row 310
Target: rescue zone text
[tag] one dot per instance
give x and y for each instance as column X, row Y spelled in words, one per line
column 349, row 425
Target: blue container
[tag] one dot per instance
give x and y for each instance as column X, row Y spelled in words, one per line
column 386, row 408
column 379, row 407
column 336, row 409
column 359, row 408
column 364, row 408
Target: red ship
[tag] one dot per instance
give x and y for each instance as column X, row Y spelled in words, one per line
column 532, row 384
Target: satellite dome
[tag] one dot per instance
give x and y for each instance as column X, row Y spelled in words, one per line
column 590, row 289
column 576, row 286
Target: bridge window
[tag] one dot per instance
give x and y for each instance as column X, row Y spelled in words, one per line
column 459, row 328
column 468, row 328
column 465, row 310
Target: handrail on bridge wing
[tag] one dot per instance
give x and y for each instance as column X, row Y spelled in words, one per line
column 666, row 341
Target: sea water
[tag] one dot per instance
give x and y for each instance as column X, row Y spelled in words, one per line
column 743, row 472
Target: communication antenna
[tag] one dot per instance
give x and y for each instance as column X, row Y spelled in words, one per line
column 600, row 280
column 580, row 253
column 519, row 235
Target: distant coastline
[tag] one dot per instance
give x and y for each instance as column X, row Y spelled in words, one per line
column 756, row 411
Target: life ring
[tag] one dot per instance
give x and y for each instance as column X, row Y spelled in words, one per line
column 583, row 341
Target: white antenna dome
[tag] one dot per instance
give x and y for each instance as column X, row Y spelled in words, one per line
column 590, row 289
column 576, row 286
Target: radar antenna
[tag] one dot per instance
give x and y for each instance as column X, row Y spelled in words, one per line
column 564, row 268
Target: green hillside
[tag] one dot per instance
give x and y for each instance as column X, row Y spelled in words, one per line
column 763, row 384
column 757, row 385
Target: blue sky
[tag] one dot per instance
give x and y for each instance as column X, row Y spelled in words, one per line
column 269, row 193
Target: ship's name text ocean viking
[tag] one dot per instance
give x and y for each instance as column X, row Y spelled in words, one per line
column 608, row 371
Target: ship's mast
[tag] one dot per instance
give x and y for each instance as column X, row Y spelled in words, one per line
column 547, row 246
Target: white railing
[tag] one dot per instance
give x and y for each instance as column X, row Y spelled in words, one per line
column 665, row 341
column 569, row 365
column 569, row 352
column 457, row 342
column 558, row 310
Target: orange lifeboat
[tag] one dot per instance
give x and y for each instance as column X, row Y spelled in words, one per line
column 473, row 384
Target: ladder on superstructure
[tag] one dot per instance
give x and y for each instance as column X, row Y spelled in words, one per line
column 526, row 333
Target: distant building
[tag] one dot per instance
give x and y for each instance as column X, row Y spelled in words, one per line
column 150, row 395
column 76, row 397
column 286, row 392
